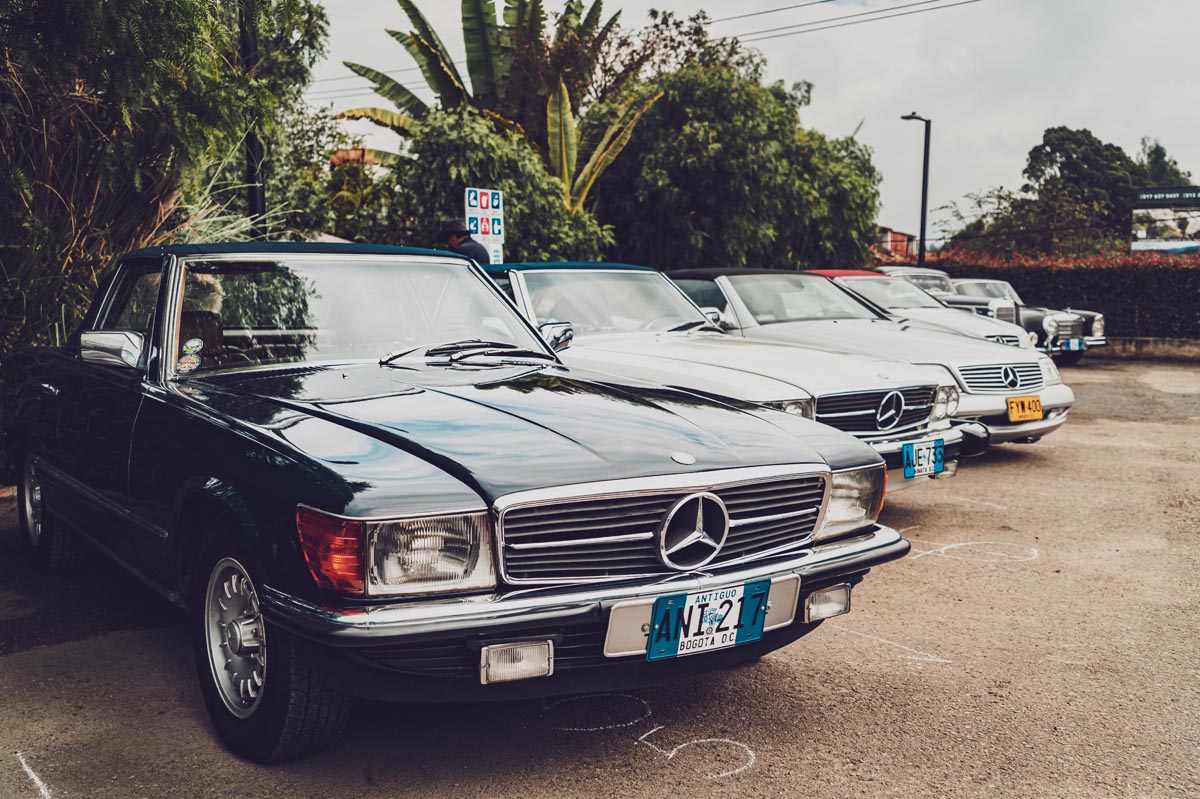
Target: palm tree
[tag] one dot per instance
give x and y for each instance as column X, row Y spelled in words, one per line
column 519, row 76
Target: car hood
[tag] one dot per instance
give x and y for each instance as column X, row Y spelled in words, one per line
column 755, row 371
column 970, row 324
column 511, row 428
column 893, row 340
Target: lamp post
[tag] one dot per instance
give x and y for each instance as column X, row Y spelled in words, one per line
column 924, row 185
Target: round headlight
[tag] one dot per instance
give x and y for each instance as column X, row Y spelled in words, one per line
column 1098, row 326
column 1029, row 341
column 1050, row 325
column 940, row 405
column 952, row 401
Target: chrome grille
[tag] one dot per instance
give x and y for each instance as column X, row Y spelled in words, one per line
column 615, row 537
column 1069, row 328
column 1012, row 341
column 855, row 413
column 989, row 378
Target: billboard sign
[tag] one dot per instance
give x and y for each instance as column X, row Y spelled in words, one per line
column 1166, row 219
column 485, row 220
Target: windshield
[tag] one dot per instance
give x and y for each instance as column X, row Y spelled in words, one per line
column 250, row 312
column 793, row 298
column 891, row 293
column 993, row 289
column 935, row 284
column 609, row 302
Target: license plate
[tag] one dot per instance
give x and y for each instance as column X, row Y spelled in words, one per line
column 1074, row 345
column 1024, row 409
column 705, row 621
column 924, row 457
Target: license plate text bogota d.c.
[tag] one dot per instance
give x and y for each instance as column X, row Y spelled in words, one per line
column 702, row 621
column 1024, row 409
column 924, row 458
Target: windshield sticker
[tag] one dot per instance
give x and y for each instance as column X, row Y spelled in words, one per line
column 187, row 363
column 192, row 346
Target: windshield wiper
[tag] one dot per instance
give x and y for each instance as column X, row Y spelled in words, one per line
column 692, row 325
column 448, row 348
column 493, row 352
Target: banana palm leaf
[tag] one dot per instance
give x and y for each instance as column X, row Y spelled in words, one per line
column 611, row 144
column 484, row 60
column 562, row 139
column 426, row 32
column 393, row 120
column 390, row 89
column 568, row 22
column 439, row 73
column 592, row 20
column 363, row 155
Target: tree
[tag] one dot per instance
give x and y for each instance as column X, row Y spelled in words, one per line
column 720, row 172
column 1078, row 199
column 459, row 148
column 104, row 110
column 1159, row 168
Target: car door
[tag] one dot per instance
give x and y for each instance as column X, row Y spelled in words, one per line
column 95, row 407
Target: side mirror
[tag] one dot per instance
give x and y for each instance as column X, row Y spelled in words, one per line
column 112, row 347
column 558, row 335
column 717, row 318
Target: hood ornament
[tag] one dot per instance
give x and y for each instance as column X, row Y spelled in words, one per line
column 693, row 531
column 683, row 458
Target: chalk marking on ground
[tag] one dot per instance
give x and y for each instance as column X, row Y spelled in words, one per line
column 670, row 753
column 620, row 725
column 43, row 791
column 917, row 655
column 944, row 550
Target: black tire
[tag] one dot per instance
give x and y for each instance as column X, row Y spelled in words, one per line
column 47, row 545
column 1069, row 358
column 295, row 713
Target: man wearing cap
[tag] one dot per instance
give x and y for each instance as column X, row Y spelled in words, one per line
column 455, row 233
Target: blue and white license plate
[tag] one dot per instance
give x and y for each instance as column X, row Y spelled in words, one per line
column 923, row 458
column 704, row 621
column 1074, row 345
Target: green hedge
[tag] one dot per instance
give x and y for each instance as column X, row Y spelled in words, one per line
column 1154, row 300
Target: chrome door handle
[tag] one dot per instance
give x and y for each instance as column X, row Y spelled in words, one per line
column 48, row 389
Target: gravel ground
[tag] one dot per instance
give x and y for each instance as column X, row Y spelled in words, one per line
column 1040, row 641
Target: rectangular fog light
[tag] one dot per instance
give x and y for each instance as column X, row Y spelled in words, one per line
column 950, row 470
column 827, row 602
column 519, row 661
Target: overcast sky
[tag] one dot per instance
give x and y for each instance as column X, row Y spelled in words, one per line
column 991, row 74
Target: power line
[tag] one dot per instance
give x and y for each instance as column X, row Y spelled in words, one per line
column 871, row 12
column 770, row 11
column 861, row 21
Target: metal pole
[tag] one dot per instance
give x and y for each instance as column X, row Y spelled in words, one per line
column 256, row 198
column 924, row 196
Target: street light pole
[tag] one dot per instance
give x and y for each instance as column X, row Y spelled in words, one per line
column 924, row 185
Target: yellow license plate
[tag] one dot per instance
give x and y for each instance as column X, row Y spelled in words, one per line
column 1024, row 409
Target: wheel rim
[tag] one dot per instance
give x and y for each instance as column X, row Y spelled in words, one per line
column 235, row 637
column 32, row 505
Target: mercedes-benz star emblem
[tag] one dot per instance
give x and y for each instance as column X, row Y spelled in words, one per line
column 693, row 532
column 1010, row 377
column 890, row 411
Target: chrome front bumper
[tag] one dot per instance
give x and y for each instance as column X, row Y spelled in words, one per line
column 1096, row 341
column 989, row 408
column 481, row 615
column 960, row 436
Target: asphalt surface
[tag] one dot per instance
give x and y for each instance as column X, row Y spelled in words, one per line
column 1040, row 641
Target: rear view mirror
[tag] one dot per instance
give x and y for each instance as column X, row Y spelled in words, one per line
column 558, row 335
column 112, row 347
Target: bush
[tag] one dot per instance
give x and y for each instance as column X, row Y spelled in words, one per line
column 1143, row 295
column 456, row 149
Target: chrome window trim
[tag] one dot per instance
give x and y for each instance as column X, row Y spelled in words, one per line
column 643, row 486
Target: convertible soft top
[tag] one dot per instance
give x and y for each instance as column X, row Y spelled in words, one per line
column 532, row 266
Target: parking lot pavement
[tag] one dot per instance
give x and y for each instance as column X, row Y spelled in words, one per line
column 1040, row 641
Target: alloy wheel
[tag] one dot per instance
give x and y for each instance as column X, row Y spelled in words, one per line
column 235, row 638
